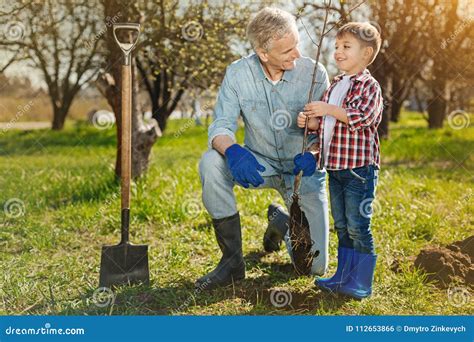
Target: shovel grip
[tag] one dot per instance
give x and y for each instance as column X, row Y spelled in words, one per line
column 126, row 47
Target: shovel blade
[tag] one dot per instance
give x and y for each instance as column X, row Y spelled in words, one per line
column 124, row 264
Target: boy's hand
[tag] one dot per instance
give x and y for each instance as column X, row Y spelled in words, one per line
column 301, row 121
column 317, row 108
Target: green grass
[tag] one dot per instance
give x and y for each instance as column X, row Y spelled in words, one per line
column 49, row 256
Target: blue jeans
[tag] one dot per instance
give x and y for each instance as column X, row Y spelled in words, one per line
column 219, row 199
column 352, row 192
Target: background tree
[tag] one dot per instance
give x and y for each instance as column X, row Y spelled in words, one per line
column 13, row 58
column 405, row 28
column 449, row 49
column 11, row 33
column 184, row 47
column 188, row 46
column 59, row 40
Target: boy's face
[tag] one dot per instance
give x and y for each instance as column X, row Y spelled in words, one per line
column 283, row 52
column 351, row 57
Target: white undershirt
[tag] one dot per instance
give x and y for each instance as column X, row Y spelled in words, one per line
column 338, row 94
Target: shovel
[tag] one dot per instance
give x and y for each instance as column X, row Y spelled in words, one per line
column 125, row 263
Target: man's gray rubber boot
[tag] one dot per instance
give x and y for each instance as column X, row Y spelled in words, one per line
column 278, row 223
column 231, row 267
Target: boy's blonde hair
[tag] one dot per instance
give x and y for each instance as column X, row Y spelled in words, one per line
column 270, row 23
column 366, row 33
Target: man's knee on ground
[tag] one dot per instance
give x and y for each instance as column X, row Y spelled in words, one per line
column 211, row 162
column 319, row 266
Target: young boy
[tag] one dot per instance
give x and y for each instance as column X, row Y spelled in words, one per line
column 348, row 147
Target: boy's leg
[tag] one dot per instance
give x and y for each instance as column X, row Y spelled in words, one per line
column 359, row 193
column 338, row 209
column 359, row 196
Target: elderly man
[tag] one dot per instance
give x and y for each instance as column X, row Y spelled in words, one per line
column 267, row 89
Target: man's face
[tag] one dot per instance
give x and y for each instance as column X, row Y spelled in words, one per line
column 283, row 52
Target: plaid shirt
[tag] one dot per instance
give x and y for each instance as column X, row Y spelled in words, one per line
column 354, row 144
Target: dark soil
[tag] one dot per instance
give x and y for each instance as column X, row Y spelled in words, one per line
column 448, row 264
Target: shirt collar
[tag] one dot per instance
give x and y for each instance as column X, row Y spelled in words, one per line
column 288, row 75
column 359, row 77
column 257, row 69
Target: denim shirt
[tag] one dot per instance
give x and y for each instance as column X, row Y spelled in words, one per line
column 269, row 111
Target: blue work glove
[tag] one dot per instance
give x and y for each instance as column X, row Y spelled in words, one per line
column 304, row 162
column 244, row 166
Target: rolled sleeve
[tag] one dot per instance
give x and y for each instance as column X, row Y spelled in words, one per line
column 363, row 110
column 226, row 111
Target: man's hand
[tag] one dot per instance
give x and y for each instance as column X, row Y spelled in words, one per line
column 305, row 162
column 301, row 122
column 244, row 166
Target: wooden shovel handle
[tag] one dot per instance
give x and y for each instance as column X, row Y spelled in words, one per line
column 126, row 143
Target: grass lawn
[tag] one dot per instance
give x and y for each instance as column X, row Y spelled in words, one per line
column 68, row 206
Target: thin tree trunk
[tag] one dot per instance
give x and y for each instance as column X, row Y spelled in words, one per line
column 383, row 128
column 163, row 101
column 383, row 76
column 436, row 112
column 143, row 137
column 158, row 114
column 60, row 111
column 59, row 117
column 396, row 106
column 438, row 104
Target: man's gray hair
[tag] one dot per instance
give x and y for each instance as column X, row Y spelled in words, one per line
column 269, row 24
